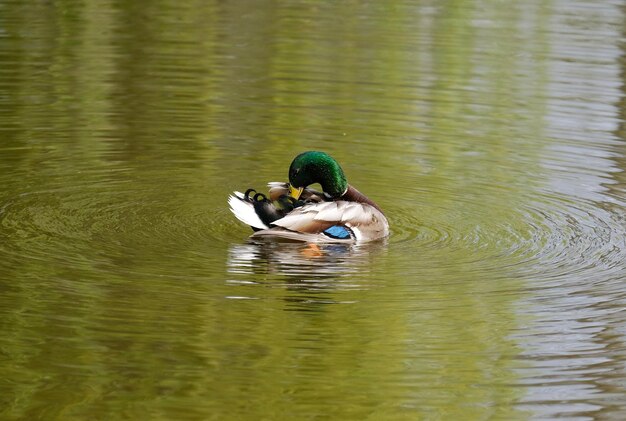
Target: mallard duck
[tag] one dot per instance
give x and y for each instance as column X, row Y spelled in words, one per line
column 293, row 211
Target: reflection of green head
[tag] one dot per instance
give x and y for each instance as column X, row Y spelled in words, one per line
column 318, row 167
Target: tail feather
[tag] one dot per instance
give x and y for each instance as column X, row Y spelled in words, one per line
column 244, row 211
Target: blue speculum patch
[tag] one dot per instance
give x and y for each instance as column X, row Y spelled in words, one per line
column 338, row 231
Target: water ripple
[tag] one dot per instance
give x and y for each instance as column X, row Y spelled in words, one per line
column 547, row 237
column 72, row 225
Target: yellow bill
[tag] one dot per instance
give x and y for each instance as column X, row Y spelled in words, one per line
column 295, row 192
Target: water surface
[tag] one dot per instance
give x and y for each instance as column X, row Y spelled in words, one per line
column 491, row 134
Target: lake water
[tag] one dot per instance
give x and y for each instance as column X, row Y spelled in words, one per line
column 492, row 133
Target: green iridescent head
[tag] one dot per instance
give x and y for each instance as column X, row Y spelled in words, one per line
column 317, row 167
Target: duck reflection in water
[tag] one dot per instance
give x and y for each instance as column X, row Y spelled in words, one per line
column 305, row 265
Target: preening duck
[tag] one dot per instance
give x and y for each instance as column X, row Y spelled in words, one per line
column 293, row 211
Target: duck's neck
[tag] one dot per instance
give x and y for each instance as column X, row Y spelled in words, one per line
column 353, row 195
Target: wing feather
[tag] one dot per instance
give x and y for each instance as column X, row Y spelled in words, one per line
column 284, row 234
column 303, row 222
column 330, row 212
column 315, row 218
column 352, row 213
column 277, row 189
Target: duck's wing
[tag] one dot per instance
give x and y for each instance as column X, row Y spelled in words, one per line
column 340, row 220
column 277, row 189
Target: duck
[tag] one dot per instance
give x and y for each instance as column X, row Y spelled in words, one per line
column 294, row 211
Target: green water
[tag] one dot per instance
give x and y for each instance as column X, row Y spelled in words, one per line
column 490, row 132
